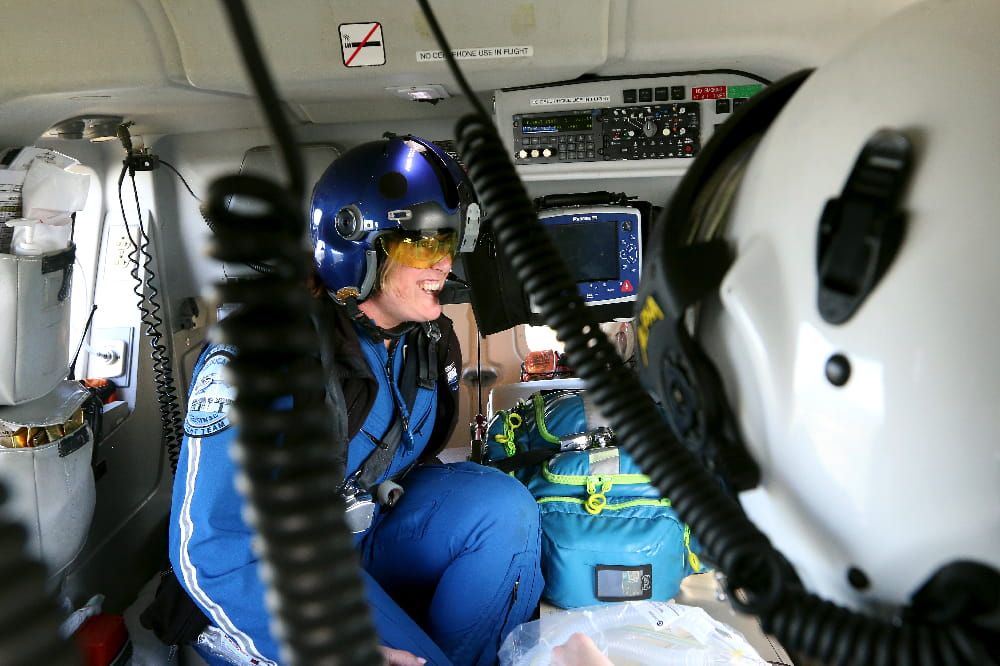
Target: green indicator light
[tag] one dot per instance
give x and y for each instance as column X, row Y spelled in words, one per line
column 744, row 91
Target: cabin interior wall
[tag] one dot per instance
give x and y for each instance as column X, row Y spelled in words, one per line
column 129, row 465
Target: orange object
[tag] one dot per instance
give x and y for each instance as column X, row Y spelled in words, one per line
column 108, row 389
column 544, row 364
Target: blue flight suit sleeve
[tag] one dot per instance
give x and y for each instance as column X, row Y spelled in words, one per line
column 210, row 544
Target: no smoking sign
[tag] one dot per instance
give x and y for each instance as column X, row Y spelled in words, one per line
column 361, row 44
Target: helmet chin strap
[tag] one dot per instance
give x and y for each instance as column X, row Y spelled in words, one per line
column 426, row 344
column 374, row 331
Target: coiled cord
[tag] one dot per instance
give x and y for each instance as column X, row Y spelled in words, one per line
column 289, row 473
column 718, row 520
column 763, row 582
column 810, row 625
column 171, row 417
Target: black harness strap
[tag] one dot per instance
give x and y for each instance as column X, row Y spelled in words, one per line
column 380, row 458
column 419, row 371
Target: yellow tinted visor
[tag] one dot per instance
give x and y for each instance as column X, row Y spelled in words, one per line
column 420, row 251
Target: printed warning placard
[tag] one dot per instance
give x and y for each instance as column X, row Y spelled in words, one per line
column 362, row 44
column 481, row 52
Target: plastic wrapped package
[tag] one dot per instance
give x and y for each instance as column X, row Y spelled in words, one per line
column 636, row 633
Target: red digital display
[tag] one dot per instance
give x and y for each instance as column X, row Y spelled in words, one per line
column 709, row 92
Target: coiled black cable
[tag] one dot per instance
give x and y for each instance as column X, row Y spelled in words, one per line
column 733, row 541
column 761, row 579
column 836, row 635
column 144, row 288
column 289, row 474
column 718, row 520
column 803, row 622
column 755, row 570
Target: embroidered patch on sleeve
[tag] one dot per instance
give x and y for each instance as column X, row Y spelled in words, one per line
column 211, row 396
column 451, row 375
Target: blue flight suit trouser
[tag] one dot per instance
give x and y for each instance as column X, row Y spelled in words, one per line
column 459, row 556
column 454, row 566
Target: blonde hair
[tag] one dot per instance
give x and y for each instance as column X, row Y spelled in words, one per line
column 385, row 263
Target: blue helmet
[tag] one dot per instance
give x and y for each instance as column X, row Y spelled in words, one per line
column 399, row 183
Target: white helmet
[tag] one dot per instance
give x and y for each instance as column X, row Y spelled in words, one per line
column 857, row 353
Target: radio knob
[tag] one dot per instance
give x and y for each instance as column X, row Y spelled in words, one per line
column 534, row 152
column 522, row 154
column 546, row 152
column 666, row 132
column 649, row 128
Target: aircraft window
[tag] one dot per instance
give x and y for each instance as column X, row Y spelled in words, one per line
column 87, row 236
column 539, row 338
column 621, row 334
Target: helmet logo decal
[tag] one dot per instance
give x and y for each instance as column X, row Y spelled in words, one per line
column 650, row 314
column 345, row 293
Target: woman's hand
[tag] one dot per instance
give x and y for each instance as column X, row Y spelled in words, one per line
column 579, row 650
column 395, row 657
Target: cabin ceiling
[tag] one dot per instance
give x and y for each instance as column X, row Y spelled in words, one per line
column 171, row 65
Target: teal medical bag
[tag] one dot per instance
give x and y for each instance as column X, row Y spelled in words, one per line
column 607, row 535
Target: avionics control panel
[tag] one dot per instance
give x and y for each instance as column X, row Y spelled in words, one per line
column 620, row 133
column 664, row 117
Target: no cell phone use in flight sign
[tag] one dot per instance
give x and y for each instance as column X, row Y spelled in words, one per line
column 362, row 44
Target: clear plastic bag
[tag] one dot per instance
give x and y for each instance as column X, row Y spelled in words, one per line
column 638, row 633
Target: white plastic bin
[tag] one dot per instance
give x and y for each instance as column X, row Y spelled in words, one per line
column 34, row 323
column 50, row 488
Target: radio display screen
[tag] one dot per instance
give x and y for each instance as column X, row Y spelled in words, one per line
column 582, row 122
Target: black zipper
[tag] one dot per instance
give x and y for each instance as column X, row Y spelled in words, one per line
column 510, row 609
column 510, row 606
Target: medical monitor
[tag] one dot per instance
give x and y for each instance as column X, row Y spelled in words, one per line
column 601, row 246
column 600, row 243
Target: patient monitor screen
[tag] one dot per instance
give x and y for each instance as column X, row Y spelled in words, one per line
column 590, row 249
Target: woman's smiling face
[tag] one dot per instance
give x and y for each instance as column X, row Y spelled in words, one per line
column 407, row 293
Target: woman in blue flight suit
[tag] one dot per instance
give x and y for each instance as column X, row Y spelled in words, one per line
column 449, row 553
